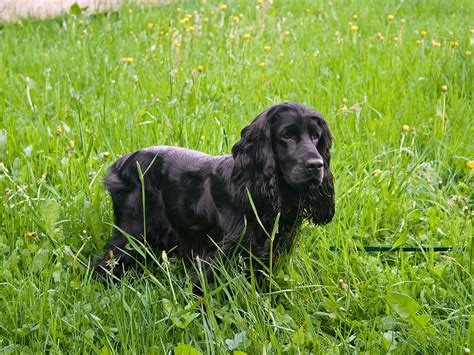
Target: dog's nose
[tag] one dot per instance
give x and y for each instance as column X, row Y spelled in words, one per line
column 314, row 164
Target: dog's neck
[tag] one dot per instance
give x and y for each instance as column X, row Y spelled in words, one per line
column 291, row 197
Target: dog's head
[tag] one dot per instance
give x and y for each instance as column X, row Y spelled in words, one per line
column 294, row 142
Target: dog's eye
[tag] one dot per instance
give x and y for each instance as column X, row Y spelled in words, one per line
column 287, row 136
column 315, row 137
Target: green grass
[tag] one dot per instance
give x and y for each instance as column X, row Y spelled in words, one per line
column 70, row 106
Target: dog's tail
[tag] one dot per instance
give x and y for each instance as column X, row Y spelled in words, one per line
column 117, row 180
column 124, row 174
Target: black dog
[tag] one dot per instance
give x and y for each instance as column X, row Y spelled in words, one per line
column 197, row 205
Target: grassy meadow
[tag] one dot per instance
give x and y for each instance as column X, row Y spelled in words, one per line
column 395, row 83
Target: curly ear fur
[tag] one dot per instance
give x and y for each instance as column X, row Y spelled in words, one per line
column 319, row 201
column 254, row 162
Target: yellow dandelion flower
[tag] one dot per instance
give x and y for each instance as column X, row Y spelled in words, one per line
column 350, row 23
column 80, row 23
column 355, row 17
column 467, row 53
column 453, row 44
column 177, row 44
column 246, row 36
column 267, row 48
column 405, row 128
column 223, row 7
column 127, row 60
column 423, row 33
column 436, row 44
column 390, row 17
column 150, row 25
column 470, row 164
column 184, row 21
column 71, row 144
column 261, row 64
column 179, row 9
column 381, row 38
column 377, row 172
column 29, row 235
column 190, row 29
column 444, row 88
column 418, row 42
column 286, row 33
column 205, row 20
column 200, row 68
column 354, row 28
column 189, row 16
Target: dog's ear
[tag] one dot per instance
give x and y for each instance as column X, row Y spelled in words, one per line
column 319, row 204
column 254, row 162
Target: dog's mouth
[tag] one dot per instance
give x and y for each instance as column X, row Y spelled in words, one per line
column 300, row 177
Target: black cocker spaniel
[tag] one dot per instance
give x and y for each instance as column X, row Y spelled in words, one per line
column 198, row 205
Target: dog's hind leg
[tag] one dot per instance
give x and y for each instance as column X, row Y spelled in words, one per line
column 127, row 236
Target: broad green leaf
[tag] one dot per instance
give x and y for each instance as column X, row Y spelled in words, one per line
column 402, row 304
column 400, row 241
column 89, row 334
column 185, row 349
column 422, row 323
column 239, row 340
column 389, row 340
column 281, row 316
column 50, row 214
column 179, row 316
column 92, row 218
column 40, row 259
column 169, row 306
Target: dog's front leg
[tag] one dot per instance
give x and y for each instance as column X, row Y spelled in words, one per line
column 222, row 250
